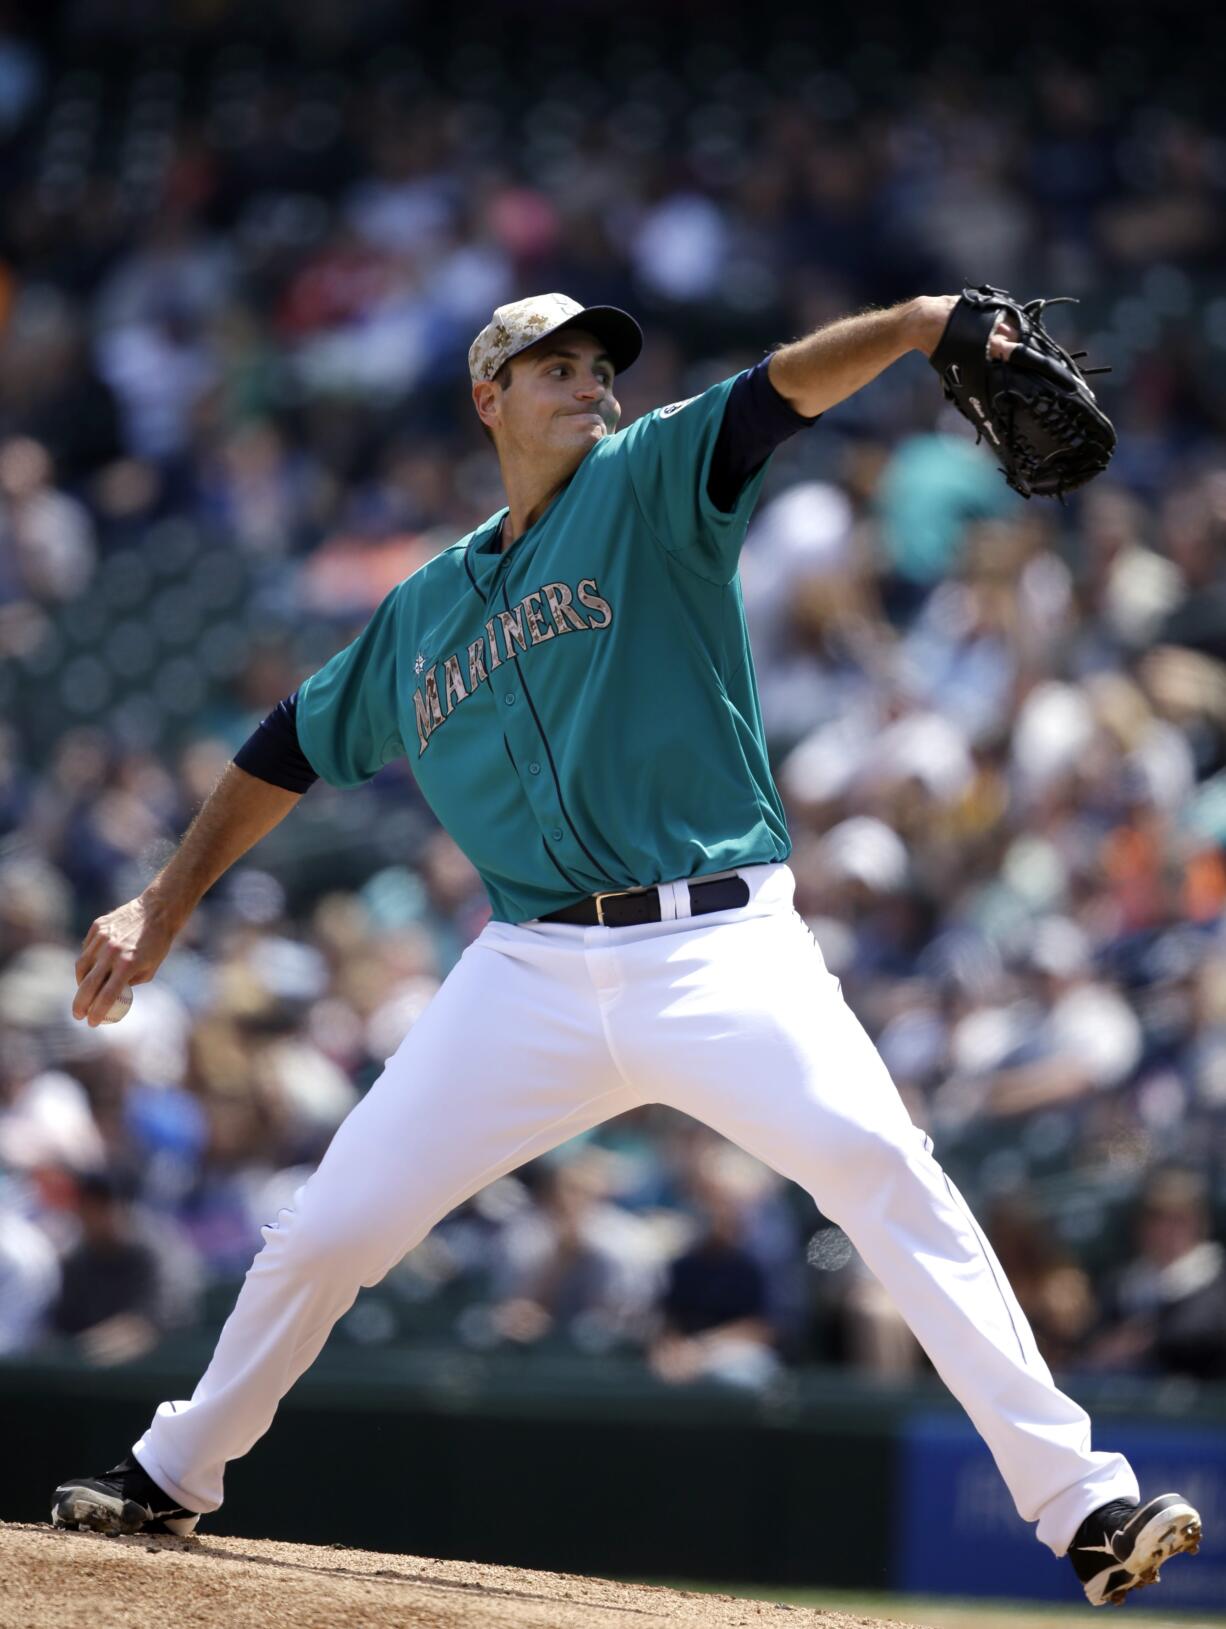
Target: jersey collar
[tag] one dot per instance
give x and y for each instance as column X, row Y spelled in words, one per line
column 482, row 556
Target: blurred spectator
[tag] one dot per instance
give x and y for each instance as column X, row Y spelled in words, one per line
column 46, row 1120
column 1086, row 1035
column 29, row 1278
column 1166, row 1308
column 870, row 1335
column 715, row 1309
column 46, row 538
column 571, row 1263
column 35, row 903
column 50, row 390
column 1054, row 1292
column 930, row 489
column 123, row 1284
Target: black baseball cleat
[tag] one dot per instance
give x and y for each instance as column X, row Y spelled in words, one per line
column 1120, row 1547
column 125, row 1500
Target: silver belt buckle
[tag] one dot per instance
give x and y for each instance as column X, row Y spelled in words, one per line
column 612, row 893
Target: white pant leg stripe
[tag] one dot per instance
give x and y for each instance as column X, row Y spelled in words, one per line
column 989, row 1258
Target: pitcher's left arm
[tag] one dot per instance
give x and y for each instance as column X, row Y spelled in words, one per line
column 816, row 373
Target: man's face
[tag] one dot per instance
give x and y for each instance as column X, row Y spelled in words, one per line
column 1168, row 1232
column 559, row 402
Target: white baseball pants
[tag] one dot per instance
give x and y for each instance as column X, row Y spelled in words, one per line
column 542, row 1031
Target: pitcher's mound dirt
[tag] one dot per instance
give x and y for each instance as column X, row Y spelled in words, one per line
column 49, row 1579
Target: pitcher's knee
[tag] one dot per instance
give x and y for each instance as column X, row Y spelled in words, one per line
column 323, row 1249
column 865, row 1163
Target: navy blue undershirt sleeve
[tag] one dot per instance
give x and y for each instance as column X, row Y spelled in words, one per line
column 757, row 419
column 271, row 752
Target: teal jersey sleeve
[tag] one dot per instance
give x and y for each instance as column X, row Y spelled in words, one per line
column 669, row 454
column 348, row 722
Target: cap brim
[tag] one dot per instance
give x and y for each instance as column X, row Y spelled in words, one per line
column 616, row 330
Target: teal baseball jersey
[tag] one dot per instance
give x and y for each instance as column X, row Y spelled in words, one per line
column 580, row 710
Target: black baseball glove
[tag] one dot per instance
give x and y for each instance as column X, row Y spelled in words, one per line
column 1036, row 408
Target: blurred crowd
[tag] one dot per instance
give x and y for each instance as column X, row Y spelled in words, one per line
column 237, row 282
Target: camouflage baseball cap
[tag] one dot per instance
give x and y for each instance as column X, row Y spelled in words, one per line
column 514, row 327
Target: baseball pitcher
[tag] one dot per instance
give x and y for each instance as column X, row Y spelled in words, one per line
column 573, row 685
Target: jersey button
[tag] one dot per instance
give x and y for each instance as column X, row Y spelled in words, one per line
column 534, row 768
column 556, row 834
column 509, row 698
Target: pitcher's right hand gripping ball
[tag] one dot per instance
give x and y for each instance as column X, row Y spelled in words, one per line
column 1035, row 408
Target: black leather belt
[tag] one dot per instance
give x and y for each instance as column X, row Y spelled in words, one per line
column 629, row 909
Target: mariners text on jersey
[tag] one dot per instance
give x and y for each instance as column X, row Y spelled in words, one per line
column 483, row 655
column 580, row 710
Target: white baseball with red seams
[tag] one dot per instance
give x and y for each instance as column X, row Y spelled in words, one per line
column 120, row 1007
column 732, row 1018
